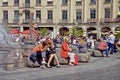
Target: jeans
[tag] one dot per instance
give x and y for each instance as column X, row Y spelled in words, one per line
column 111, row 48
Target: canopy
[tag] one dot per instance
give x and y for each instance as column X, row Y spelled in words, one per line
column 14, row 31
column 28, row 32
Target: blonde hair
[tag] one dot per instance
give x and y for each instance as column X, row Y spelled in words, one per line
column 66, row 39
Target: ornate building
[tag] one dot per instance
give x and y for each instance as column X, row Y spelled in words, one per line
column 95, row 17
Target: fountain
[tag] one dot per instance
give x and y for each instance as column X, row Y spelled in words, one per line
column 9, row 48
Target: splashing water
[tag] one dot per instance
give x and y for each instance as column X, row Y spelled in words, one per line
column 8, row 46
column 6, row 39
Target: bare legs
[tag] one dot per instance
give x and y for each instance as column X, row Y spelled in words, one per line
column 50, row 59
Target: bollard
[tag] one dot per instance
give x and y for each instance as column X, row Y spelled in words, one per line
column 10, row 63
column 10, row 66
column 20, row 61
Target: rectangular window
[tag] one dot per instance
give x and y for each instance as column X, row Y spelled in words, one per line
column 16, row 14
column 78, row 2
column 107, row 1
column 16, row 2
column 5, row 15
column 64, row 15
column 92, row 1
column 92, row 13
column 64, row 2
column 38, row 2
column 27, row 15
column 78, row 15
column 38, row 14
column 50, row 14
column 5, row 2
column 27, row 3
column 49, row 2
column 107, row 13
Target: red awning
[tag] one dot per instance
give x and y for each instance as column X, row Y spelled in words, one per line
column 14, row 31
column 28, row 32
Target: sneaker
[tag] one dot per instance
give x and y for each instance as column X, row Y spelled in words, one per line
column 71, row 64
column 43, row 66
column 43, row 62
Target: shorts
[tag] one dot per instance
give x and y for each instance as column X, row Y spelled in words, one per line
column 43, row 54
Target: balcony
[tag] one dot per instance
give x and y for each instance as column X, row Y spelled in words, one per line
column 77, row 21
column 16, row 5
column 107, row 20
column 92, row 20
column 63, row 21
column 5, row 5
column 37, row 20
column 49, row 20
column 15, row 20
column 26, row 20
column 4, row 20
column 78, row 4
column 26, row 5
column 38, row 5
column 107, row 2
column 101, row 20
column 64, row 4
column 117, row 19
column 49, row 3
column 92, row 3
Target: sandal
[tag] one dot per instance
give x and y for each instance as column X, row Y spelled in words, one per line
column 58, row 66
column 49, row 66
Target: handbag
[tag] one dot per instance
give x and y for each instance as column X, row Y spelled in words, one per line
column 51, row 51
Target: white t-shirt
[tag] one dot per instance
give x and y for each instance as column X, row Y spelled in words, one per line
column 74, row 41
column 92, row 43
column 111, row 39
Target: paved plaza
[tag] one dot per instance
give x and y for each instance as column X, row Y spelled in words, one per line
column 98, row 68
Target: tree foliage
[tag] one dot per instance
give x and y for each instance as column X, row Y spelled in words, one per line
column 117, row 35
column 76, row 31
column 43, row 31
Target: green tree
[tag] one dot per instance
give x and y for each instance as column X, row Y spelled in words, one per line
column 76, row 31
column 43, row 31
column 117, row 35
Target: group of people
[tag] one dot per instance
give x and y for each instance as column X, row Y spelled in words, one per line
column 45, row 50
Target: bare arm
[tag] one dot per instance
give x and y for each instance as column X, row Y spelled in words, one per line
column 41, row 47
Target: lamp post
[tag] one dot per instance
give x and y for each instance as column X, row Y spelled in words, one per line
column 36, row 23
column 56, row 24
column 31, row 26
column 99, row 30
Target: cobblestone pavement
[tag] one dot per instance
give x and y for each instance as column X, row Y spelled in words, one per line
column 99, row 68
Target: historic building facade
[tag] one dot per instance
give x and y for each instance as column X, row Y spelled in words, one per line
column 93, row 16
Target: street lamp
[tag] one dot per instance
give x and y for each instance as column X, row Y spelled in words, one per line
column 36, row 23
column 99, row 30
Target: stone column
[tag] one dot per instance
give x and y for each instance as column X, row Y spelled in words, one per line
column 84, row 31
column 99, row 30
column 21, row 28
column 113, row 29
column 55, row 30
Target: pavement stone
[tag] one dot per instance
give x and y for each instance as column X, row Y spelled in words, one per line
column 96, row 63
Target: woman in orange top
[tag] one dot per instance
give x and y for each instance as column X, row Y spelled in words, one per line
column 65, row 51
column 38, row 52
